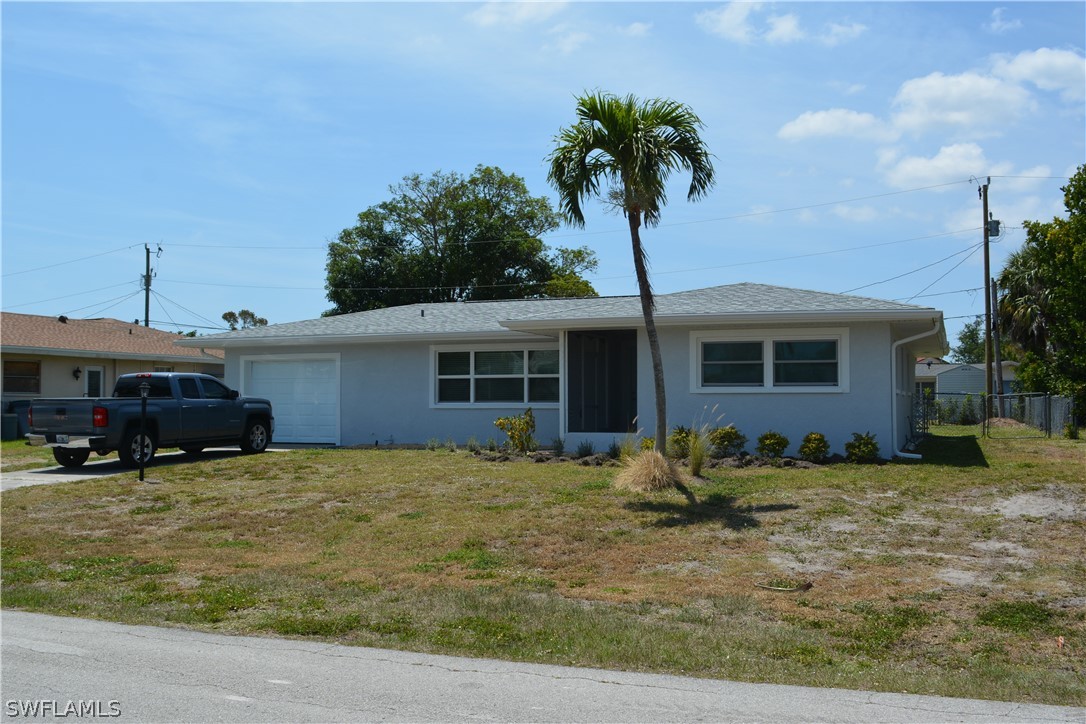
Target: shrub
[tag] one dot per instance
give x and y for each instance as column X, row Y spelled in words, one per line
column 727, row 441
column 473, row 445
column 585, row 448
column 772, row 444
column 814, row 448
column 862, row 448
column 614, row 450
column 648, row 443
column 433, row 444
column 450, row 444
column 491, row 444
column 628, row 447
column 558, row 446
column 969, row 415
column 648, row 472
column 678, row 442
column 520, row 429
column 698, row 449
column 1070, row 431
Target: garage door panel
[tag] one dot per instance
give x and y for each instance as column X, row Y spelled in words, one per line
column 304, row 394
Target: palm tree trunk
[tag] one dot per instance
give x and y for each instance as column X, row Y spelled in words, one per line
column 648, row 304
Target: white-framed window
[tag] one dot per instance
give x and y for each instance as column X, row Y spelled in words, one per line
column 495, row 377
column 791, row 360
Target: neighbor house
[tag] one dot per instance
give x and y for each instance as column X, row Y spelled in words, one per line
column 762, row 357
column 934, row 377
column 65, row 357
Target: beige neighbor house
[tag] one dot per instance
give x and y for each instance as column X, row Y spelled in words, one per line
column 62, row 357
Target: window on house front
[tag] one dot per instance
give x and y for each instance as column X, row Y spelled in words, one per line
column 163, row 368
column 497, row 376
column 806, row 362
column 783, row 361
column 22, row 377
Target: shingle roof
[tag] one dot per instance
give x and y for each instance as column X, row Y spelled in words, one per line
column 105, row 336
column 504, row 318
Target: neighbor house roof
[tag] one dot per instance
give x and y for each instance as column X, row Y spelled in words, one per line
column 528, row 318
column 99, row 338
column 934, row 370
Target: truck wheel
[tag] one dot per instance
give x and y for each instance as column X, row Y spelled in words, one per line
column 255, row 439
column 70, row 458
column 133, row 446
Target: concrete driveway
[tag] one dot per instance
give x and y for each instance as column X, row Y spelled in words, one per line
column 147, row 674
column 99, row 468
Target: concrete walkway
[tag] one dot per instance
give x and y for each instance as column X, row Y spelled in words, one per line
column 147, row 674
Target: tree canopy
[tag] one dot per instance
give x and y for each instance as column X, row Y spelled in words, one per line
column 1042, row 305
column 447, row 238
column 243, row 319
column 970, row 347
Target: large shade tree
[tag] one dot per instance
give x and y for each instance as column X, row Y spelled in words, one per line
column 631, row 147
column 450, row 238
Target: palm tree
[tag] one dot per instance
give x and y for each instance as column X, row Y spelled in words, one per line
column 633, row 146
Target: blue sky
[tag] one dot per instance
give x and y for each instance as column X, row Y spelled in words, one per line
column 241, row 137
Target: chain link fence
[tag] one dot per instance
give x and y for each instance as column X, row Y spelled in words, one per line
column 1021, row 415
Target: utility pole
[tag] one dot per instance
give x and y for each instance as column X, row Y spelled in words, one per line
column 983, row 191
column 147, row 283
column 997, row 347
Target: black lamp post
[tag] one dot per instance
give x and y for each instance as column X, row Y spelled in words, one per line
column 145, row 387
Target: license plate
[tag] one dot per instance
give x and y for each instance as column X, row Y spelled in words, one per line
column 62, row 439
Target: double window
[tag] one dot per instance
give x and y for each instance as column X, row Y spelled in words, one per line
column 788, row 361
column 497, row 376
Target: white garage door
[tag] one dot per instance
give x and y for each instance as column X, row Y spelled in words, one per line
column 304, row 394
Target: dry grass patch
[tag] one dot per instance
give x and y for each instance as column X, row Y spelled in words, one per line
column 648, row 472
column 954, row 576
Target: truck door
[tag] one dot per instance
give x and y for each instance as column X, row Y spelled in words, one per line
column 224, row 413
column 194, row 410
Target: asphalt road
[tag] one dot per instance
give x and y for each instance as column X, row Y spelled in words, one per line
column 147, row 674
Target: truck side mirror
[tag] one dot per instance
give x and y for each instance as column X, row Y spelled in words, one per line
column 233, row 395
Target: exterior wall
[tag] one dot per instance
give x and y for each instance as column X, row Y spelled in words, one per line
column 865, row 407
column 962, row 380
column 386, row 395
column 57, row 379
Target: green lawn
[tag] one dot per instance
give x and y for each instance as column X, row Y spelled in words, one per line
column 954, row 576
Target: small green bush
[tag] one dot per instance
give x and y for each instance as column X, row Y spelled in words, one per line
column 491, row 444
column 614, row 450
column 969, row 414
column 520, row 429
column 727, row 441
column 698, row 450
column 678, row 442
column 450, row 444
column 648, row 443
column 772, row 444
column 558, row 446
column 473, row 445
column 814, row 448
column 1070, row 431
column 585, row 448
column 862, row 448
column 433, row 444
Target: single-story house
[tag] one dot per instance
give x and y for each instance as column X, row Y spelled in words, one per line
column 934, row 377
column 765, row 357
column 64, row 357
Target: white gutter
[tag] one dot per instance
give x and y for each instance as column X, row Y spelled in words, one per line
column 893, row 387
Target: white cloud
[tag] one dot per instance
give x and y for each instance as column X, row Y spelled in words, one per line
column 784, row 29
column 956, row 162
column 999, row 25
column 514, row 13
column 730, row 21
column 567, row 40
column 858, row 214
column 969, row 99
column 836, row 122
column 836, row 33
column 1048, row 69
column 636, row 30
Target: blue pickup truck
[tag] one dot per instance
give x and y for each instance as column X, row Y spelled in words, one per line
column 187, row 411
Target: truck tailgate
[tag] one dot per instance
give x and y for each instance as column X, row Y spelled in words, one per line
column 72, row 415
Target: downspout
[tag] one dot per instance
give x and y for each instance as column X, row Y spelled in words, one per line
column 893, row 387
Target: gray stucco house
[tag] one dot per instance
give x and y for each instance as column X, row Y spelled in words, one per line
column 767, row 357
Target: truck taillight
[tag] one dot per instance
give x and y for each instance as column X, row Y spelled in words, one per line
column 101, row 417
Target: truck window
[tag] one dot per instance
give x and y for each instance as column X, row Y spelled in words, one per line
column 214, row 390
column 189, row 389
column 130, row 387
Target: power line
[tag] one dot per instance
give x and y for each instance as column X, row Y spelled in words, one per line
column 962, row 261
column 116, row 300
column 187, row 310
column 914, row 271
column 69, row 261
column 66, row 296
